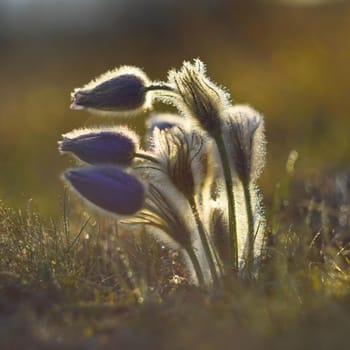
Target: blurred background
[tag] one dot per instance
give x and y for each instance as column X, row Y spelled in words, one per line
column 289, row 59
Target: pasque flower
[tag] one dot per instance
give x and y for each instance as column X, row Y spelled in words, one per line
column 197, row 96
column 163, row 121
column 244, row 135
column 121, row 90
column 108, row 145
column 194, row 186
column 108, row 188
column 180, row 154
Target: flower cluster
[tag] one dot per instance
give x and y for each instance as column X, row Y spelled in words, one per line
column 192, row 184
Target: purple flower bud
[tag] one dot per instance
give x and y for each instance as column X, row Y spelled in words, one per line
column 164, row 121
column 108, row 188
column 113, row 145
column 122, row 90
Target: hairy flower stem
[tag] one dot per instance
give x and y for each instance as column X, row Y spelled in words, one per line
column 204, row 238
column 230, row 199
column 159, row 87
column 251, row 235
column 196, row 266
column 194, row 260
column 147, row 156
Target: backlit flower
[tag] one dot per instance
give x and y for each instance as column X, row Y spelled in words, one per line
column 115, row 92
column 108, row 188
column 108, row 145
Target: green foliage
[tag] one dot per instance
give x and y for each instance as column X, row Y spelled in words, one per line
column 77, row 259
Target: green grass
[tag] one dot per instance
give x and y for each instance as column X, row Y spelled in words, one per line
column 84, row 282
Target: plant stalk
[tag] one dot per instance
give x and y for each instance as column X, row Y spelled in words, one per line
column 230, row 199
column 196, row 266
column 251, row 235
column 204, row 238
column 147, row 156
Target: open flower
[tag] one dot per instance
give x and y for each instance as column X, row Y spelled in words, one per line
column 108, row 145
column 108, row 188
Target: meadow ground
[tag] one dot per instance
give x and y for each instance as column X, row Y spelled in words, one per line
column 82, row 283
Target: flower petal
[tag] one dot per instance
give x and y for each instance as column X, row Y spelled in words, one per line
column 108, row 188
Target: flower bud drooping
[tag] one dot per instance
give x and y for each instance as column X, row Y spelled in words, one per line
column 108, row 188
column 108, row 145
column 123, row 90
column 164, row 121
